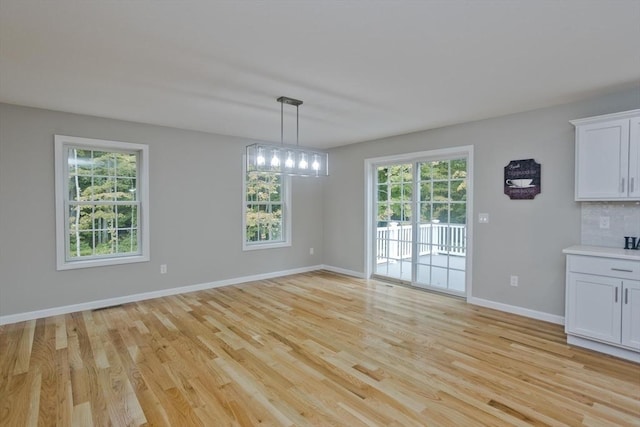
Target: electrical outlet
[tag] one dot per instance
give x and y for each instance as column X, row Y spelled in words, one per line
column 514, row 280
column 483, row 218
column 310, row 251
column 163, row 268
column 604, row 222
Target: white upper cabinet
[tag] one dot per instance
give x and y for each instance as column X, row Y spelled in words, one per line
column 608, row 157
column 634, row 157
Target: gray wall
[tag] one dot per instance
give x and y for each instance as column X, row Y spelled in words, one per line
column 196, row 207
column 196, row 202
column 524, row 237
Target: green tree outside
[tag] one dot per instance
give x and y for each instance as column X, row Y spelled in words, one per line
column 264, row 210
column 103, row 207
column 442, row 190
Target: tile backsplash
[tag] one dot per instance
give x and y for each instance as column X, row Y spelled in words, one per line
column 624, row 220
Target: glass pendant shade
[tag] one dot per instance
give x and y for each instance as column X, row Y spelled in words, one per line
column 260, row 157
column 287, row 160
column 275, row 159
column 289, row 163
column 302, row 164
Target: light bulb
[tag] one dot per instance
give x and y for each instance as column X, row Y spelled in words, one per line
column 316, row 164
column 289, row 162
column 260, row 158
column 275, row 160
column 303, row 161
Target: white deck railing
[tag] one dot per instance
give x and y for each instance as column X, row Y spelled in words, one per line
column 395, row 241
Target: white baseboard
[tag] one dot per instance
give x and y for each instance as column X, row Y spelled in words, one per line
column 92, row 305
column 344, row 271
column 622, row 353
column 552, row 318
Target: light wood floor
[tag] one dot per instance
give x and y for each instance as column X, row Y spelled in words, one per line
column 313, row 349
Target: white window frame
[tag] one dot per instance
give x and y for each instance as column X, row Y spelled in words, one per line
column 285, row 198
column 62, row 143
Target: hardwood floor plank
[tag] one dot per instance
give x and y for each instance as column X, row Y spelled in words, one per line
column 15, row 400
column 313, row 349
column 23, row 355
column 34, row 400
column 64, row 393
column 256, row 394
column 84, row 375
column 44, row 356
column 82, row 415
column 61, row 332
column 9, row 340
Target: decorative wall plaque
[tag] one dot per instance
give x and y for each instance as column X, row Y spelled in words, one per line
column 522, row 179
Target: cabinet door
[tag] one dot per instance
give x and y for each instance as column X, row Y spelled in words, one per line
column 631, row 314
column 634, row 158
column 593, row 307
column 602, row 160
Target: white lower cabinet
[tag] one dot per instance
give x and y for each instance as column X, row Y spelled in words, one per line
column 631, row 315
column 594, row 307
column 603, row 304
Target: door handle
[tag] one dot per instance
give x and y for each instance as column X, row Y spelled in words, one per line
column 622, row 186
column 616, row 298
column 631, row 185
column 626, row 296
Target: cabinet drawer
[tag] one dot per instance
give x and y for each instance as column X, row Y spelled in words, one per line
column 622, row 268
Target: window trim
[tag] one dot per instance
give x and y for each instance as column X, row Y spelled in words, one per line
column 286, row 214
column 61, row 142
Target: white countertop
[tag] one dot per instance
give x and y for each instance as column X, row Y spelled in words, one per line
column 601, row 251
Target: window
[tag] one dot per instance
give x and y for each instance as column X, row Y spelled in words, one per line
column 266, row 210
column 102, row 214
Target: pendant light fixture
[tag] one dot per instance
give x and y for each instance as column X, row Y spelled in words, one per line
column 287, row 159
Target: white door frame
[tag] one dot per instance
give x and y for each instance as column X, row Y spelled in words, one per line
column 370, row 212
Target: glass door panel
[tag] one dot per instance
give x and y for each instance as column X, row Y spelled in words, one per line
column 442, row 225
column 394, row 213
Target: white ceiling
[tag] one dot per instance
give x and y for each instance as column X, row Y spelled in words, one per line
column 364, row 69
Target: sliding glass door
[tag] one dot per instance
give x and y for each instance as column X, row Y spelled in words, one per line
column 420, row 229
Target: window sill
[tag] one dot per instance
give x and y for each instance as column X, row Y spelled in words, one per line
column 73, row 265
column 257, row 246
